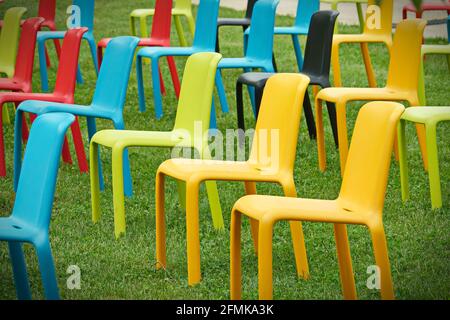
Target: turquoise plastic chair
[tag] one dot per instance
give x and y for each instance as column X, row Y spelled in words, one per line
column 258, row 48
column 204, row 41
column 86, row 20
column 305, row 10
column 108, row 101
column 30, row 220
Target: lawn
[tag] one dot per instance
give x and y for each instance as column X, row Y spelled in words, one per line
column 419, row 245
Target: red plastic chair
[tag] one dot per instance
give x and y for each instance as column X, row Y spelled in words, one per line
column 63, row 92
column 426, row 7
column 160, row 37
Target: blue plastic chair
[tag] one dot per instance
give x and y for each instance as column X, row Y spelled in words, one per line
column 258, row 48
column 108, row 102
column 305, row 10
column 86, row 20
column 204, row 41
column 30, row 220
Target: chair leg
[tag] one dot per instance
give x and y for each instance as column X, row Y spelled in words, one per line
column 191, row 22
column 160, row 221
column 192, row 233
column 93, row 48
column 217, row 40
column 360, row 17
column 235, row 256
column 127, row 185
column 333, row 121
column 140, row 84
column 92, row 129
column 181, row 186
column 42, row 65
column 382, row 260
column 240, row 112
column 2, row 149
column 79, row 146
column 214, row 204
column 95, row 181
column 265, row 276
column 174, row 75
column 118, row 191
column 298, row 52
column 433, row 166
column 143, row 27
column 156, row 89
column 368, row 65
column 221, row 91
column 99, row 56
column 321, row 151
column 309, row 116
column 403, row 160
column 250, row 188
column 259, row 90
column 421, row 86
column 180, row 31
column 47, row 269
column 19, row 270
column 342, row 134
column 18, row 123
column 132, row 27
column 345, row 262
column 337, row 79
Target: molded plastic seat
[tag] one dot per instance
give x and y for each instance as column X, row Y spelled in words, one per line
column 316, row 67
column 183, row 8
column 402, row 83
column 86, row 16
column 107, row 103
column 64, row 92
column 194, row 107
column 370, row 34
column 271, row 160
column 204, row 41
column 258, row 48
column 430, row 117
column 30, row 220
column 360, row 202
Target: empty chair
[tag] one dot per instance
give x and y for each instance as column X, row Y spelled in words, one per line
column 360, row 202
column 30, row 220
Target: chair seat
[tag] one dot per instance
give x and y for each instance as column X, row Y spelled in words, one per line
column 127, row 138
column 284, row 208
column 152, row 52
column 355, row 94
column 254, row 78
column 233, row 22
column 246, row 62
column 10, row 84
column 13, row 229
column 184, row 169
column 435, row 49
column 427, row 114
column 291, row 30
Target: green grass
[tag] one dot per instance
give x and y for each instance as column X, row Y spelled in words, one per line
column 418, row 239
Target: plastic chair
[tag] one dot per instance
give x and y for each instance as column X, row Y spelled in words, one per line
column 64, row 92
column 30, row 220
column 204, row 41
column 316, row 66
column 425, row 7
column 358, row 3
column 194, row 108
column 402, row 82
column 271, row 159
column 360, row 202
column 160, row 37
column 258, row 48
column 183, row 8
column 236, row 22
column 430, row 117
column 383, row 34
column 86, row 20
column 108, row 101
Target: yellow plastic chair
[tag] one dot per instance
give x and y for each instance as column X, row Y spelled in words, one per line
column 372, row 33
column 360, row 202
column 190, row 131
column 182, row 8
column 402, row 82
column 430, row 117
column 358, row 3
column 271, row 159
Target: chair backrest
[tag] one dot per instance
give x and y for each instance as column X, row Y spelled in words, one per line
column 112, row 83
column 367, row 168
column 87, row 9
column 9, row 39
column 260, row 38
column 386, row 16
column 47, row 9
column 276, row 133
column 305, row 10
column 36, row 188
column 27, row 45
column 319, row 44
column 196, row 92
column 249, row 10
column 162, row 20
column 406, row 55
column 206, row 25
column 68, row 62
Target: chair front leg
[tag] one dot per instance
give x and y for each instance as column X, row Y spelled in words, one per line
column 47, row 269
column 140, row 83
column 92, row 129
column 79, row 146
column 93, row 49
column 127, row 185
column 161, row 259
column 156, row 89
column 368, row 65
column 193, row 232
column 118, row 190
column 180, row 31
column 240, row 112
column 132, row 27
column 265, row 276
column 298, row 52
column 341, row 116
column 309, row 116
column 174, row 75
column 42, row 64
column 403, row 160
column 19, row 270
column 221, row 91
column 235, row 256
column 345, row 262
column 2, row 148
column 250, row 188
column 433, row 166
column 94, row 160
column 337, row 78
column 321, row 152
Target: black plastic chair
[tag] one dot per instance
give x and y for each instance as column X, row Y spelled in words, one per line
column 316, row 66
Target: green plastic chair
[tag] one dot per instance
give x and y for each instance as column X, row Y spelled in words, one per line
column 182, row 8
column 358, row 3
column 429, row 117
column 190, row 131
column 9, row 42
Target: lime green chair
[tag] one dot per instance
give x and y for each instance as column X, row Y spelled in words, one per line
column 359, row 3
column 429, row 117
column 9, row 42
column 182, row 8
column 190, row 131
